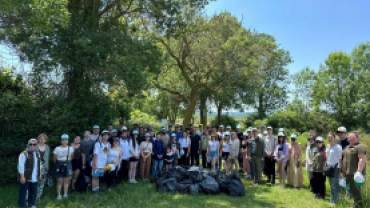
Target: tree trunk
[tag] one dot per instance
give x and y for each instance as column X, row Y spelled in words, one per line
column 191, row 107
column 219, row 112
column 261, row 108
column 203, row 110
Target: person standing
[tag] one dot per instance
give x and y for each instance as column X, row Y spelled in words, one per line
column 309, row 157
column 164, row 136
column 270, row 146
column 225, row 152
column 354, row 161
column 311, row 133
column 333, row 161
column 146, row 149
column 134, row 156
column 112, row 136
column 44, row 150
column 195, row 147
column 95, row 136
column 124, row 145
column 110, row 128
column 62, row 158
column 205, row 143
column 178, row 132
column 169, row 132
column 99, row 161
column 168, row 159
column 220, row 135
column 295, row 174
column 257, row 155
column 343, row 140
column 262, row 129
column 158, row 149
column 317, row 168
column 234, row 152
column 239, row 134
column 78, row 161
column 175, row 148
column 200, row 132
column 29, row 174
column 281, row 156
column 88, row 145
column 212, row 151
column 246, row 164
column 114, row 158
column 185, row 143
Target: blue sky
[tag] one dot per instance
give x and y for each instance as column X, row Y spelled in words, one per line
column 310, row 30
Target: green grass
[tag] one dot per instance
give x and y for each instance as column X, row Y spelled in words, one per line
column 145, row 194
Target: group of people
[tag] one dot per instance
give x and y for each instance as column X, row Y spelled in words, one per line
column 111, row 156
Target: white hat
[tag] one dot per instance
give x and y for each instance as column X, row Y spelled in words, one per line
column 269, row 127
column 293, row 136
column 319, row 139
column 359, row 179
column 228, row 127
column 95, row 127
column 281, row 134
column 238, row 126
column 221, row 126
column 281, row 130
column 250, row 129
column 342, row 129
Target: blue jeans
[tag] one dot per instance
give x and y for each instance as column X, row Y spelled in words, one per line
column 23, row 188
column 334, row 186
column 252, row 173
column 156, row 167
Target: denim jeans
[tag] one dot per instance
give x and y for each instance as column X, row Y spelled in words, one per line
column 156, row 167
column 252, row 172
column 23, row 188
column 334, row 186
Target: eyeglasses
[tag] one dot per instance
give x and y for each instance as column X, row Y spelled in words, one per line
column 319, row 142
column 32, row 144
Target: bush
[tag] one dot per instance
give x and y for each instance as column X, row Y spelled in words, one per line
column 225, row 120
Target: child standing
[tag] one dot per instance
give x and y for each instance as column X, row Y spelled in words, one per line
column 168, row 158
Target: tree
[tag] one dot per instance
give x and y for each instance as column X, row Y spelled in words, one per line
column 303, row 82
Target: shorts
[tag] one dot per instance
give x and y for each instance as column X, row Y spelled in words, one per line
column 225, row 155
column 63, row 169
column 76, row 164
column 99, row 172
column 133, row 159
column 212, row 155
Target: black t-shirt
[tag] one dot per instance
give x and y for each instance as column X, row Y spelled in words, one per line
column 168, row 157
column 195, row 143
column 141, row 139
column 240, row 136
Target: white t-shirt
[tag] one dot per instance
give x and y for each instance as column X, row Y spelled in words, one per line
column 95, row 137
column 125, row 149
column 61, row 153
column 135, row 150
column 101, row 150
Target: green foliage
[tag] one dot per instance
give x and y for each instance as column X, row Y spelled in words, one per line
column 225, row 120
column 138, row 115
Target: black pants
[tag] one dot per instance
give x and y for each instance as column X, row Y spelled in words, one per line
column 311, row 180
column 184, row 160
column 112, row 179
column 194, row 156
column 204, row 159
column 318, row 184
column 123, row 171
column 270, row 168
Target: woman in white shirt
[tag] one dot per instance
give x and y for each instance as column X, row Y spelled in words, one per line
column 134, row 156
column 225, row 151
column 63, row 156
column 333, row 161
column 185, row 143
column 146, row 148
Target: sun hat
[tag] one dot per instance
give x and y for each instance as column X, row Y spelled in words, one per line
column 293, row 136
column 359, row 179
column 281, row 134
column 135, row 133
column 65, row 136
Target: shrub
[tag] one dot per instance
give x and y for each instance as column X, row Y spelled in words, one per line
column 225, row 120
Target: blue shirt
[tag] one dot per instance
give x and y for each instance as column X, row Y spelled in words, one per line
column 178, row 135
column 158, row 149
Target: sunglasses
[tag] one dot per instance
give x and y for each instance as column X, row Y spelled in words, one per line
column 32, row 144
column 319, row 142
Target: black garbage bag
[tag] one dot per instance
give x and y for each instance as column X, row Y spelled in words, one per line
column 181, row 187
column 160, row 181
column 177, row 175
column 223, row 185
column 210, row 186
column 194, row 189
column 235, row 188
column 186, row 181
column 170, row 184
column 197, row 177
column 234, row 176
column 162, row 189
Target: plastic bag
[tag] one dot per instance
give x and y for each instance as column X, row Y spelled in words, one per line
column 359, row 179
column 343, row 183
column 235, row 188
column 170, row 184
column 194, row 189
column 181, row 188
column 210, row 186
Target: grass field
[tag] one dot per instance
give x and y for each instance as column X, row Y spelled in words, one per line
column 145, row 194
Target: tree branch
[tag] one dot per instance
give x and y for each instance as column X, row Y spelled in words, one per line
column 179, row 94
column 108, row 7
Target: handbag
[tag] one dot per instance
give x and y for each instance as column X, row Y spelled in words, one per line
column 329, row 172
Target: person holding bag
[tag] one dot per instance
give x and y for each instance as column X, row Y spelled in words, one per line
column 63, row 156
column 114, row 155
column 317, row 169
column 44, row 150
column 333, row 163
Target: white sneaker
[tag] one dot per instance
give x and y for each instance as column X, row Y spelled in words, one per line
column 59, row 197
column 332, row 204
column 65, row 196
column 33, row 206
column 134, row 181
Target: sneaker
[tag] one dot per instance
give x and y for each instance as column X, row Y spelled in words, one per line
column 33, row 206
column 59, row 197
column 65, row 196
column 268, row 181
column 130, row 181
column 134, row 181
column 273, row 183
column 332, row 204
column 109, row 189
column 247, row 176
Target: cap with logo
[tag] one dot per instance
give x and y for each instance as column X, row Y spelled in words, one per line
column 104, row 132
column 238, row 126
column 135, row 132
column 265, row 133
column 64, row 136
column 96, row 127
column 227, row 133
column 250, row 129
column 147, row 135
column 320, row 139
column 245, row 134
column 293, row 136
column 173, row 135
column 114, row 130
column 281, row 130
column 342, row 130
column 281, row 134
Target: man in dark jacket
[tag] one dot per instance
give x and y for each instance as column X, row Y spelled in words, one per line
column 158, row 150
column 195, row 147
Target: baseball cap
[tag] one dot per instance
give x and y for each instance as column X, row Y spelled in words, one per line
column 96, row 127
column 269, row 127
column 265, row 133
column 104, row 132
column 227, row 133
column 64, row 136
column 135, row 133
column 293, row 136
column 124, row 129
column 221, row 126
column 177, row 125
column 262, row 126
column 164, row 129
column 342, row 129
column 147, row 135
column 169, row 125
column 238, row 126
column 116, row 139
column 281, row 134
column 228, row 127
column 245, row 134
column 173, row 135
column 281, row 130
column 114, row 130
column 148, row 129
column 254, row 129
column 250, row 129
column 320, row 139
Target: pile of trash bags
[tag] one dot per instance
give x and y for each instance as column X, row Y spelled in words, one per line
column 195, row 180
